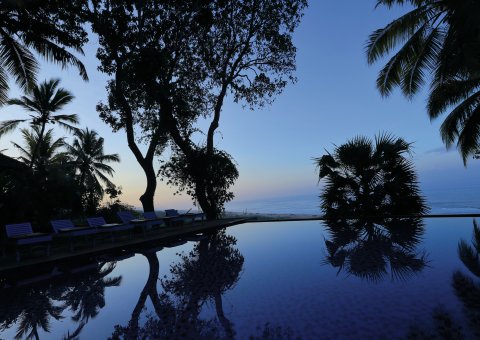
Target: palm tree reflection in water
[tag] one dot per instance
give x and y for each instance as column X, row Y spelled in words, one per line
column 33, row 307
column 466, row 289
column 446, row 326
column 372, row 249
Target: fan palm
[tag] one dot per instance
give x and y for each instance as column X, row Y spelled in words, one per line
column 42, row 101
column 90, row 161
column 368, row 178
column 438, row 40
column 44, row 28
column 47, row 152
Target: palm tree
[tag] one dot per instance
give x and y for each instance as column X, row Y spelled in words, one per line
column 42, row 101
column 439, row 38
column 47, row 153
column 89, row 159
column 370, row 178
column 26, row 26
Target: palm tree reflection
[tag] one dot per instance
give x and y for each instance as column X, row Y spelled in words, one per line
column 373, row 250
column 467, row 290
column 86, row 297
column 33, row 307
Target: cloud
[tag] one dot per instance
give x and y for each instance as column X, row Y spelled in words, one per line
column 440, row 150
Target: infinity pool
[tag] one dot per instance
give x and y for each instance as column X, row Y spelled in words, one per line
column 282, row 280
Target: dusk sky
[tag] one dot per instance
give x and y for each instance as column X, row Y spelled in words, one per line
column 334, row 99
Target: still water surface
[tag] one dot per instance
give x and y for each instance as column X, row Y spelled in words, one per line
column 281, row 280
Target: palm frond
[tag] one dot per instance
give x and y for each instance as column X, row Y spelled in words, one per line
column 73, row 118
column 3, row 86
column 9, row 125
column 384, row 40
column 464, row 94
column 57, row 54
column 18, row 61
column 393, row 73
column 67, row 127
column 423, row 59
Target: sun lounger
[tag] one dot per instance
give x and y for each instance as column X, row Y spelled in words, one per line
column 21, row 234
column 173, row 213
column 68, row 229
column 155, row 220
column 128, row 218
column 101, row 225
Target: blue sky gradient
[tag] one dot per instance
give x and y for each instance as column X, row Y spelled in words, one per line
column 334, row 100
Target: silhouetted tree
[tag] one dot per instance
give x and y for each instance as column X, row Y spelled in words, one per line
column 197, row 53
column 47, row 190
column 439, row 38
column 47, row 27
column 370, row 178
column 90, row 162
column 48, row 153
column 178, row 173
column 42, row 101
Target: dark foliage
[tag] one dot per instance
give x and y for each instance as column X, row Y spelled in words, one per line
column 48, row 27
column 221, row 176
column 365, row 178
column 439, row 38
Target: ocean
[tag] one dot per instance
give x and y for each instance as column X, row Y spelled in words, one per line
column 464, row 200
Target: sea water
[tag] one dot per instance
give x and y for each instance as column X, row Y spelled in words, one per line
column 463, row 200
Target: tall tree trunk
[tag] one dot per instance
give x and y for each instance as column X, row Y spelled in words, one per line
column 147, row 198
column 146, row 162
column 38, row 144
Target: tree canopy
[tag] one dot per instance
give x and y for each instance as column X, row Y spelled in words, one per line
column 173, row 62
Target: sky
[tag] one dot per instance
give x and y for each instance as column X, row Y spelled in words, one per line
column 334, row 99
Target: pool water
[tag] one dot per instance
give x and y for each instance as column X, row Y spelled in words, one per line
column 282, row 280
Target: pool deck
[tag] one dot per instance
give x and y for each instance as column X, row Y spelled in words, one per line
column 154, row 238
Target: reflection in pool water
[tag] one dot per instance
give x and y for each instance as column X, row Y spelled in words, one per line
column 369, row 249
column 202, row 275
column 264, row 281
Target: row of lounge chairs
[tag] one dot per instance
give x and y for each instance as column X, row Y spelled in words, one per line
column 21, row 234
